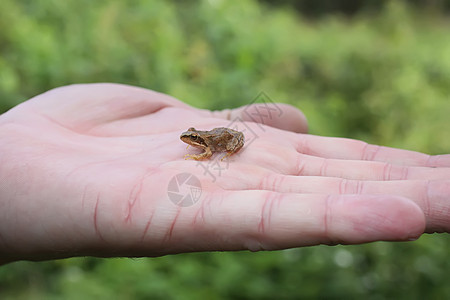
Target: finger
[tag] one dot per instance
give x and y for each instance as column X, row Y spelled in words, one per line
column 262, row 220
column 284, row 160
column 87, row 105
column 341, row 148
column 366, row 170
column 278, row 115
column 433, row 197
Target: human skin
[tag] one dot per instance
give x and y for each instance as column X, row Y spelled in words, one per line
column 84, row 170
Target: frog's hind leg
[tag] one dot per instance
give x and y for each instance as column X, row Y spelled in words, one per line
column 236, row 143
column 235, row 146
column 226, row 155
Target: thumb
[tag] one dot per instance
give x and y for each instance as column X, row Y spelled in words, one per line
column 278, row 115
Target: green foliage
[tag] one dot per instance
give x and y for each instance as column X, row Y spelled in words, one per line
column 416, row 270
column 384, row 78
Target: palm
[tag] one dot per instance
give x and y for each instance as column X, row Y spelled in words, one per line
column 97, row 161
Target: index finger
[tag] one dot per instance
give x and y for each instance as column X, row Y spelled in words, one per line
column 344, row 148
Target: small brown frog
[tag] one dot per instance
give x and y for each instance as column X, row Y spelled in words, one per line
column 217, row 140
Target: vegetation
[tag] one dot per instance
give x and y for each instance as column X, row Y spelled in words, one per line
column 379, row 75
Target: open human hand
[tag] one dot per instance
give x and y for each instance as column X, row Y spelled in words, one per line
column 85, row 170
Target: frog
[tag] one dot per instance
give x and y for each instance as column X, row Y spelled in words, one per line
column 220, row 139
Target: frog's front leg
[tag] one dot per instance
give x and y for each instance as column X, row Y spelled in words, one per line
column 205, row 155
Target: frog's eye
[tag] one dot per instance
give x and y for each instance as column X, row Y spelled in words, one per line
column 194, row 137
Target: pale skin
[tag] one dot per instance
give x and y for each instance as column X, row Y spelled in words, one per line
column 84, row 170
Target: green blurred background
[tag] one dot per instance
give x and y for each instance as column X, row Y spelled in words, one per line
column 375, row 70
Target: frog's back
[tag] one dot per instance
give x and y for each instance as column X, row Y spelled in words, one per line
column 219, row 138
